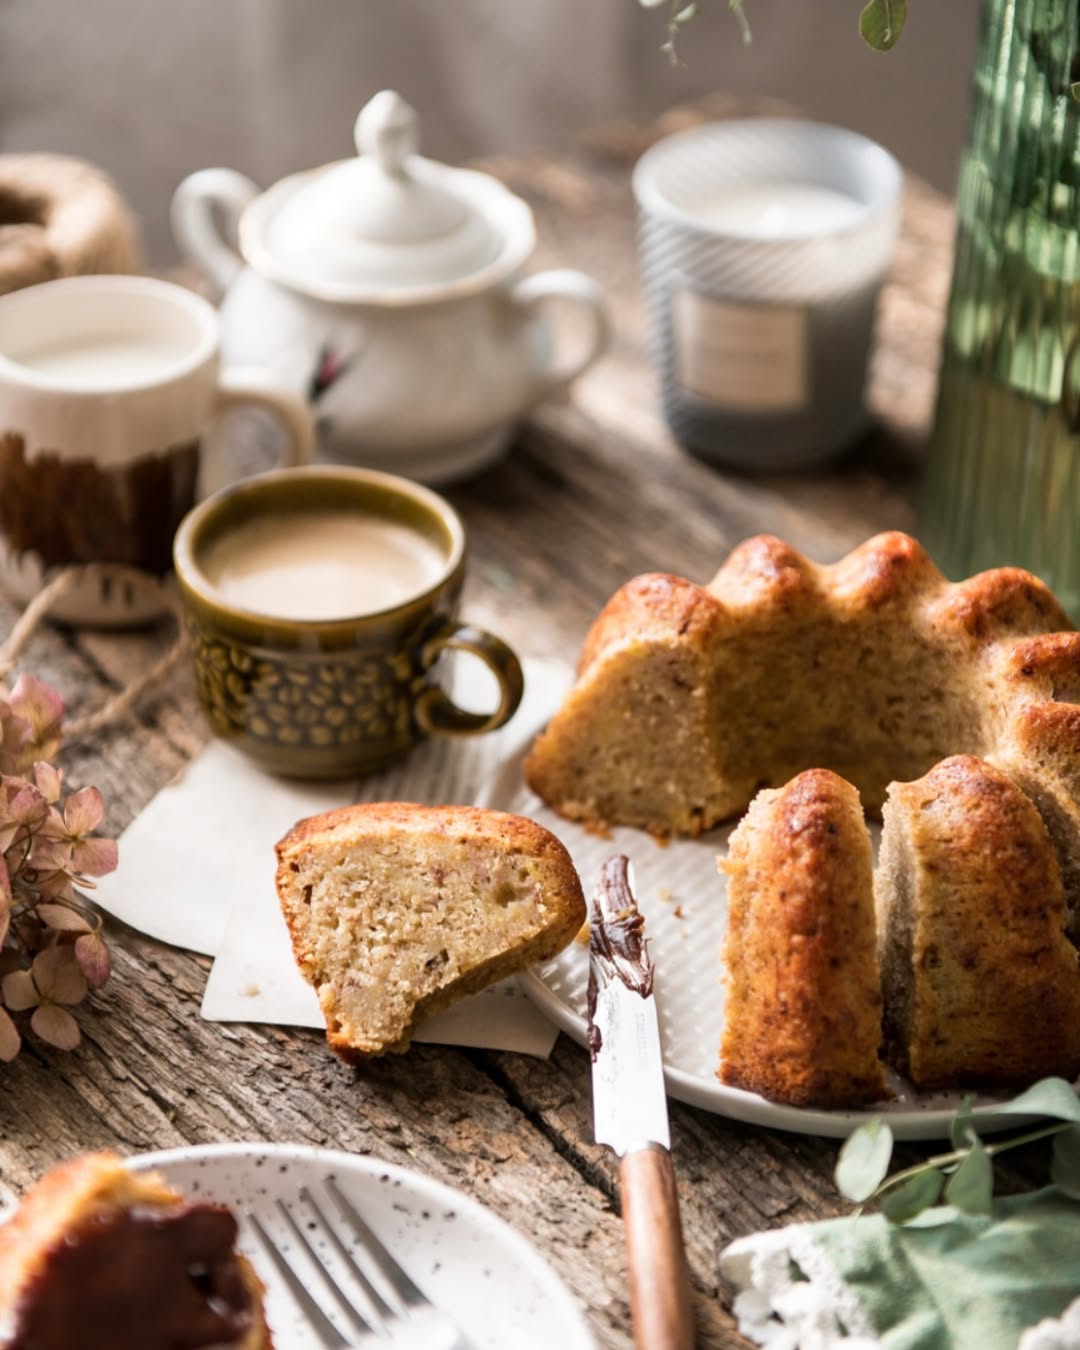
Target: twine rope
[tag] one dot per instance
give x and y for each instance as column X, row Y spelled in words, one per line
column 123, row 703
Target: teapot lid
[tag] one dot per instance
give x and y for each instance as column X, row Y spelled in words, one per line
column 387, row 223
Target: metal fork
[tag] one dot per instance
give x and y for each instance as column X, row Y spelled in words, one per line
column 406, row 1317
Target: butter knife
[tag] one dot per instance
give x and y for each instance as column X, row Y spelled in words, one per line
column 630, row 1111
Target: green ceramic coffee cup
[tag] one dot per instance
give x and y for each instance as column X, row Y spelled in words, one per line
column 342, row 696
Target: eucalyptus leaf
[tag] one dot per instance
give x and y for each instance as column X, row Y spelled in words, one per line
column 1065, row 1166
column 882, row 22
column 971, row 1186
column 909, row 1200
column 687, row 13
column 1052, row 1097
column 864, row 1160
column 651, row 4
column 962, row 1129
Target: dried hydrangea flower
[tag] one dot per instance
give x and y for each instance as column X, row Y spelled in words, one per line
column 51, row 949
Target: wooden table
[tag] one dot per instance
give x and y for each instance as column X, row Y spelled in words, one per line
column 593, row 493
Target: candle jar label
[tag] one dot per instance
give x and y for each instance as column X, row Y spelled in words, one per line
column 749, row 358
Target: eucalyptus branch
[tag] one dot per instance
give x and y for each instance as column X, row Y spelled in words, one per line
column 881, row 22
column 965, row 1173
column 947, row 1162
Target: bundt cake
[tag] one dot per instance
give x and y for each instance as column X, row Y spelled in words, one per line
column 396, row 910
column 690, row 698
column 802, row 1013
column 981, row 985
column 103, row 1259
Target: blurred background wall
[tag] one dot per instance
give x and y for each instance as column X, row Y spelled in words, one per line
column 151, row 89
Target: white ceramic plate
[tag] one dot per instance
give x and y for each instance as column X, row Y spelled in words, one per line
column 464, row 1258
column 682, row 895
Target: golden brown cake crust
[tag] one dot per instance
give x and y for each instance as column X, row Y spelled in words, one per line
column 654, row 604
column 70, row 1194
column 463, row 822
column 802, row 1021
column 875, row 667
column 396, row 910
column 981, row 985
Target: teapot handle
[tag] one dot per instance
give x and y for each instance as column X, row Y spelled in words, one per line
column 579, row 290
column 195, row 229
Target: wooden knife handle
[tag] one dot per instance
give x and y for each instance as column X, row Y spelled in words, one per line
column 659, row 1279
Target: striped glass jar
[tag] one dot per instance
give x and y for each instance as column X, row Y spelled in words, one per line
column 1003, row 473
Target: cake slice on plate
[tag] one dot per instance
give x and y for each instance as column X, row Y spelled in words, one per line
column 802, row 1018
column 981, row 984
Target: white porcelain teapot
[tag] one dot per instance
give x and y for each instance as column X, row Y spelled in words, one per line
column 389, row 288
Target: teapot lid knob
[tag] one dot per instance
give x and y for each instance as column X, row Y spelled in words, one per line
column 389, row 129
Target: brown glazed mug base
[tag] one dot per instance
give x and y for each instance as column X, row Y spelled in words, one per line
column 327, row 699
column 71, row 511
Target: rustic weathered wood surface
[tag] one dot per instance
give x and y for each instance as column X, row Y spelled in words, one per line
column 593, row 492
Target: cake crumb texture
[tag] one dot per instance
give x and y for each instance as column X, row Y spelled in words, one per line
column 396, row 910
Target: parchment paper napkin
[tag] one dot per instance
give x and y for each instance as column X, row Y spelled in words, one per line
column 197, row 867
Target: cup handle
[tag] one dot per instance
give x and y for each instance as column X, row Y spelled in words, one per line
column 252, row 385
column 574, row 287
column 437, row 713
column 195, row 229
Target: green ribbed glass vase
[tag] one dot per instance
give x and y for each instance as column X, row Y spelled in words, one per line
column 1003, row 472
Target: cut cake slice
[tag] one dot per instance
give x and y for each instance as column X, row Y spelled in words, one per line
column 396, row 910
column 802, row 1018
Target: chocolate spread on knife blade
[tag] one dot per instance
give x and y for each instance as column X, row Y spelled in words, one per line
column 139, row 1280
column 617, row 947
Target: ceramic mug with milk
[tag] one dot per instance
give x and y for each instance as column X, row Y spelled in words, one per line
column 108, row 385
column 320, row 603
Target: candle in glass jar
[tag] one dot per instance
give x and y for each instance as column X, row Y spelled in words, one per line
column 777, row 210
column 764, row 244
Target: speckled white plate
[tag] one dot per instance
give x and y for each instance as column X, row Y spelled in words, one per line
column 683, row 897
column 500, row 1290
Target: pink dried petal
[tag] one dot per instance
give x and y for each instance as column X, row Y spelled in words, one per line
column 64, row 919
column 55, row 1026
column 19, row 991
column 83, row 812
column 10, row 1040
column 48, row 780
column 93, row 956
column 51, row 855
column 58, row 976
column 14, row 739
column 43, row 708
column 8, row 831
column 53, row 826
column 95, row 857
column 27, row 807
